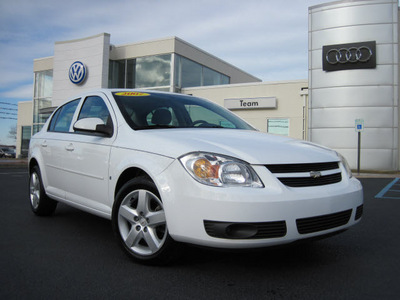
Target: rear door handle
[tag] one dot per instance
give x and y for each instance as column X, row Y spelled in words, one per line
column 70, row 147
column 44, row 144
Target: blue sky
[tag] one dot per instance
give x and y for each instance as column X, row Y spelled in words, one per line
column 266, row 38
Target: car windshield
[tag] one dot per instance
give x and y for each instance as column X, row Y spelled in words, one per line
column 148, row 110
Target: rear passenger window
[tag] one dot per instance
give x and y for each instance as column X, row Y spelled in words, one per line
column 62, row 118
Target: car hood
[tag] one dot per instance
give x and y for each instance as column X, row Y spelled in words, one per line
column 251, row 146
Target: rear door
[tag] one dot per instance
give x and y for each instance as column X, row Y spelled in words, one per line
column 52, row 147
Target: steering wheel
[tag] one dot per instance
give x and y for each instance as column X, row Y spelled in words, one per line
column 199, row 123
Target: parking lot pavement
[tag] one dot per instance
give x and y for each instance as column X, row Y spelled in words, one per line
column 74, row 255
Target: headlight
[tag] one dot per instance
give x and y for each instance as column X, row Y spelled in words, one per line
column 345, row 164
column 218, row 170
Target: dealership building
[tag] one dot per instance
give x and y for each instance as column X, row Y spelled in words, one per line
column 351, row 90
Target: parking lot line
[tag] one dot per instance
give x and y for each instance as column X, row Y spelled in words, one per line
column 388, row 191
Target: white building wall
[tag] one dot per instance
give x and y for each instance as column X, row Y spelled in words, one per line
column 94, row 52
column 290, row 97
column 338, row 98
column 25, row 113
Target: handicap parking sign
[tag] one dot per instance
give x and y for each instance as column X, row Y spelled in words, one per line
column 359, row 125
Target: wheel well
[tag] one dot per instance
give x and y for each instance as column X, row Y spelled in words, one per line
column 32, row 163
column 127, row 175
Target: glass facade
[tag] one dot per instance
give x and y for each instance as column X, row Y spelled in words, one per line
column 43, row 90
column 155, row 72
column 25, row 138
column 116, row 74
column 190, row 74
column 143, row 72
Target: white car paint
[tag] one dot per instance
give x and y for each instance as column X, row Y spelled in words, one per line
column 84, row 170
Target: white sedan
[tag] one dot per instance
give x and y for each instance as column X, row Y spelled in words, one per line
column 168, row 169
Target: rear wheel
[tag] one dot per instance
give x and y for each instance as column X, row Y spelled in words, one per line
column 40, row 203
column 140, row 225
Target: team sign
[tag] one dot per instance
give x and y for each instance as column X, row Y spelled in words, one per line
column 251, row 103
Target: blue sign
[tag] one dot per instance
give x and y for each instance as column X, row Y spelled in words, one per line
column 77, row 72
column 359, row 125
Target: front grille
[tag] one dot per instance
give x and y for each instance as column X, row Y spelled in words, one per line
column 325, row 222
column 310, row 181
column 299, row 168
column 312, row 174
column 232, row 230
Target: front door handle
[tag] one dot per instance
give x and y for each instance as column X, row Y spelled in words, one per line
column 70, row 147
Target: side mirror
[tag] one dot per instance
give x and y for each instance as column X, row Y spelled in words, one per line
column 93, row 125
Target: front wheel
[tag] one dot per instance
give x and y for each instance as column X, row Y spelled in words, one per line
column 41, row 204
column 140, row 225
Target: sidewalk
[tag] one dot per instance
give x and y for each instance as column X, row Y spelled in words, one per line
column 13, row 163
column 377, row 175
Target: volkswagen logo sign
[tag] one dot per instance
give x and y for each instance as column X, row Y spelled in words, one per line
column 77, row 72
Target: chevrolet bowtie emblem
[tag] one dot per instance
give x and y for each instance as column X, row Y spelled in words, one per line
column 315, row 174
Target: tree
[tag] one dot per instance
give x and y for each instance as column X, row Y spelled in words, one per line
column 12, row 133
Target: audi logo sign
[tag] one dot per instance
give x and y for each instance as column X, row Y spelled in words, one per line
column 349, row 56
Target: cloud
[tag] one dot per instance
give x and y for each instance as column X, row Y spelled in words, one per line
column 22, row 92
column 243, row 33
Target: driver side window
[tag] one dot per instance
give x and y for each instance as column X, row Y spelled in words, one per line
column 94, row 107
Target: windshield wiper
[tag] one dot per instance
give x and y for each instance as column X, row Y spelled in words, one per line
column 157, row 126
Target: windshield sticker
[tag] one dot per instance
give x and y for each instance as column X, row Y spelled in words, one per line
column 131, row 94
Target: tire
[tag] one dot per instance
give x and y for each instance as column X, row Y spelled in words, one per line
column 139, row 223
column 41, row 204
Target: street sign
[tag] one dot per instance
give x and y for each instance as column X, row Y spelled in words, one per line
column 359, row 125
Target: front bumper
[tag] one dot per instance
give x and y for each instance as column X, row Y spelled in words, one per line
column 255, row 217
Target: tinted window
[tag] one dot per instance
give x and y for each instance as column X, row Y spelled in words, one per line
column 94, row 107
column 202, row 116
column 62, row 118
column 151, row 110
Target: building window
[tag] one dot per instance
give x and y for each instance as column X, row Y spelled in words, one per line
column 143, row 72
column 26, row 137
column 191, row 74
column 153, row 71
column 211, row 77
column 116, row 74
column 43, row 84
column 278, row 126
column 42, row 96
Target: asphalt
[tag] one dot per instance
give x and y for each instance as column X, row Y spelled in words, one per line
column 74, row 255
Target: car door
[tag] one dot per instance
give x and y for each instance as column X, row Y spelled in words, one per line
column 52, row 147
column 87, row 158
